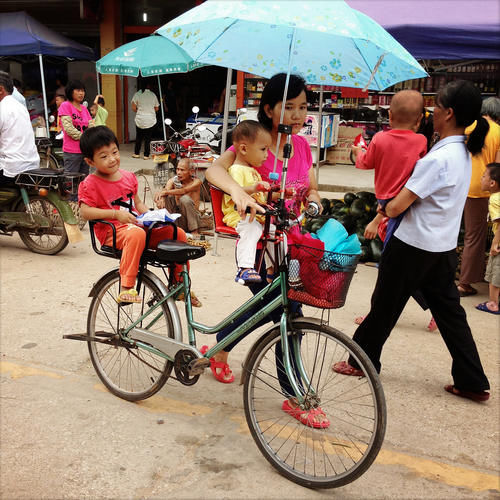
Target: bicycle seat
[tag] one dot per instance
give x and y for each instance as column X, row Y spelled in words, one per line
column 177, row 252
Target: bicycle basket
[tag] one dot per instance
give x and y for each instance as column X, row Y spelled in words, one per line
column 319, row 278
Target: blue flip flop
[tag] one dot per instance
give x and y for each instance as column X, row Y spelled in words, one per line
column 483, row 307
column 247, row 277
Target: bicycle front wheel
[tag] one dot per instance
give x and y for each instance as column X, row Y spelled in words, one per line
column 129, row 372
column 354, row 406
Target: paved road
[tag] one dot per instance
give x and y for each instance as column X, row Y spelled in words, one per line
column 62, row 435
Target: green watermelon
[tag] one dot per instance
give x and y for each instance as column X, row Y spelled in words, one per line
column 349, row 198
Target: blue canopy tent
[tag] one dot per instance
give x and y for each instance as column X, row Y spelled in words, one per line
column 439, row 29
column 22, row 35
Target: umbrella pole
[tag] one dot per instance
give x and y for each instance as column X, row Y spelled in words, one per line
column 272, row 174
column 226, row 110
column 98, row 82
column 320, row 130
column 44, row 95
column 162, row 111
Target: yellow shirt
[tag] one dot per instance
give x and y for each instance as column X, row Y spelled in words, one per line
column 494, row 209
column 244, row 176
column 479, row 161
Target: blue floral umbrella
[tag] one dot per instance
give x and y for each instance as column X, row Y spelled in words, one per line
column 329, row 43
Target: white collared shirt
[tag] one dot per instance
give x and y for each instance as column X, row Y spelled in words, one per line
column 18, row 151
column 441, row 181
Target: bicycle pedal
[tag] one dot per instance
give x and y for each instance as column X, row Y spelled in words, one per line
column 197, row 366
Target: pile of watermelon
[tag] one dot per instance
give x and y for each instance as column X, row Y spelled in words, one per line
column 354, row 212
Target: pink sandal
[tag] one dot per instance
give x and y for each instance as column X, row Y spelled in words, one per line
column 432, row 326
column 344, row 368
column 224, row 372
column 359, row 319
column 306, row 417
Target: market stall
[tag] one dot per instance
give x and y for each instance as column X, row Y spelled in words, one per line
column 21, row 35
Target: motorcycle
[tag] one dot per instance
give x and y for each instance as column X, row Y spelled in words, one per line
column 35, row 205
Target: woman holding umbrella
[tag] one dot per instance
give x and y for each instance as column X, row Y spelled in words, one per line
column 300, row 177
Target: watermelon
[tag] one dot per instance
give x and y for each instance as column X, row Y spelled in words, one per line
column 368, row 197
column 326, row 205
column 349, row 198
column 358, row 208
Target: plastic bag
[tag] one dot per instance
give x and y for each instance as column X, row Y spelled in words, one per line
column 161, row 215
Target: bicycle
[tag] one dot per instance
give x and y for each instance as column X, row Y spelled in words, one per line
column 135, row 347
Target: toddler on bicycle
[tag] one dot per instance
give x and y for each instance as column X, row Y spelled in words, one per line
column 111, row 193
column 251, row 142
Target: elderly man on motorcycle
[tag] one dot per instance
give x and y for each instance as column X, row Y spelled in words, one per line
column 18, row 151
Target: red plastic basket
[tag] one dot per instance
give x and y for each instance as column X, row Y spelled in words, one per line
column 319, row 278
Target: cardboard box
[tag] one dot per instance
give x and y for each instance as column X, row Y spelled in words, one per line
column 341, row 153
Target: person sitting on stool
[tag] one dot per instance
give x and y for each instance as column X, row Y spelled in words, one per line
column 181, row 195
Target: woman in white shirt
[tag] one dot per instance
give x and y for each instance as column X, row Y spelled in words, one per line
column 145, row 105
column 421, row 255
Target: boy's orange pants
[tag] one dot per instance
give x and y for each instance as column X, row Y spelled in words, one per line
column 131, row 240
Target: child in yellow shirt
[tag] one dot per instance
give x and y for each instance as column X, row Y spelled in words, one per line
column 490, row 181
column 251, row 141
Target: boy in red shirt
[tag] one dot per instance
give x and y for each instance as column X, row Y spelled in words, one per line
column 393, row 154
column 107, row 194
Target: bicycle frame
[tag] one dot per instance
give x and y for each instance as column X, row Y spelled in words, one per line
column 151, row 342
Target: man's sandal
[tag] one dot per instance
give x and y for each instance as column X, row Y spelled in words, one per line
column 129, row 297
column 306, row 417
column 344, row 368
column 474, row 396
column 225, row 375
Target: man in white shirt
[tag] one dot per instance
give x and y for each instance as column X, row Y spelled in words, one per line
column 18, row 151
column 145, row 104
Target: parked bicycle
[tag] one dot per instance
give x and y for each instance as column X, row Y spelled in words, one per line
column 135, row 347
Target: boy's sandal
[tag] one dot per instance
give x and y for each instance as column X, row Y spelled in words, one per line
column 474, row 396
column 484, row 307
column 344, row 368
column 129, row 297
column 195, row 301
column 247, row 277
column 225, row 375
column 306, row 417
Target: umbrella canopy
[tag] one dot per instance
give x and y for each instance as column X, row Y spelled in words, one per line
column 151, row 56
column 20, row 34
column 467, row 30
column 327, row 42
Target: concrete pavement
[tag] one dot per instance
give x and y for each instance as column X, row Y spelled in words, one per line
column 62, row 435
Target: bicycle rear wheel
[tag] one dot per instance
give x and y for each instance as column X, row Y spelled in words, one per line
column 128, row 372
column 355, row 407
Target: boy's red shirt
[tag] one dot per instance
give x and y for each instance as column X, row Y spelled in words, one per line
column 393, row 155
column 97, row 192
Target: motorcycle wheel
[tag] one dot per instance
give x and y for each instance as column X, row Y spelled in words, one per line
column 47, row 241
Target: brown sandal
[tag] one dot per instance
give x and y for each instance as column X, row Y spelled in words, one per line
column 474, row 396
